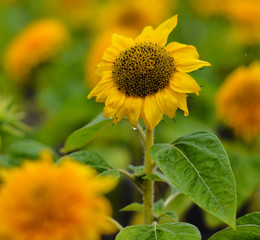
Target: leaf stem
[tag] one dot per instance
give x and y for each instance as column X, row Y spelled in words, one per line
column 131, row 177
column 148, row 191
column 115, row 223
column 141, row 132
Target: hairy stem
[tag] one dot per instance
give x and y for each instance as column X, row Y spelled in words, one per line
column 148, row 190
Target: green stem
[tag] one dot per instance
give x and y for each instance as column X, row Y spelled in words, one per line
column 148, row 191
column 141, row 132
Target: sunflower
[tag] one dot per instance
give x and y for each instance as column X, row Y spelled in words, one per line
column 238, row 102
column 42, row 201
column 37, row 43
column 142, row 77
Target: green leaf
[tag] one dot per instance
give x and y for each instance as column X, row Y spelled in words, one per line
column 198, row 165
column 89, row 158
column 159, row 205
column 25, row 149
column 248, row 228
column 82, row 136
column 167, row 231
column 112, row 172
column 154, row 177
column 170, row 215
column 135, row 207
column 243, row 232
column 251, row 218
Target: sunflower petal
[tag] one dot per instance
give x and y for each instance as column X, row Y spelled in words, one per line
column 146, row 34
column 105, row 83
column 162, row 32
column 121, row 42
column 113, row 103
column 111, row 54
column 189, row 64
column 179, row 50
column 132, row 109
column 152, row 113
column 182, row 102
column 184, row 83
column 167, row 102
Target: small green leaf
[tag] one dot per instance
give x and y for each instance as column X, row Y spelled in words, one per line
column 112, row 172
column 25, row 149
column 251, row 218
column 89, row 158
column 170, row 215
column 159, row 206
column 82, row 136
column 135, row 207
column 198, row 165
column 154, row 177
column 167, row 231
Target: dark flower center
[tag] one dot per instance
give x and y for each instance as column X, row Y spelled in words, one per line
column 143, row 69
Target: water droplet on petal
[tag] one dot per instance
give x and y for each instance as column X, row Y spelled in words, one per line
column 185, row 115
column 134, row 128
column 110, row 117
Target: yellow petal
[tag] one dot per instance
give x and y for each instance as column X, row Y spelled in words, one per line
column 105, row 83
column 146, row 35
column 152, row 113
column 167, row 102
column 121, row 42
column 182, row 102
column 184, row 83
column 162, row 32
column 189, row 64
column 113, row 103
column 178, row 50
column 132, row 108
column 111, row 54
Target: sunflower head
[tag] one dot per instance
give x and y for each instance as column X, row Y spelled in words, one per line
column 238, row 102
column 37, row 43
column 142, row 77
column 43, row 201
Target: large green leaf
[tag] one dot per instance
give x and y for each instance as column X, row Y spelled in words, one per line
column 82, row 136
column 248, row 228
column 90, row 158
column 198, row 165
column 167, row 231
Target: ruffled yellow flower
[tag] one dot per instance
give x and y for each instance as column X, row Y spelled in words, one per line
column 42, row 201
column 142, row 77
column 77, row 13
column 37, row 43
column 245, row 16
column 134, row 14
column 238, row 102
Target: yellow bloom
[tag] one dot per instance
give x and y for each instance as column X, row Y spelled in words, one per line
column 245, row 16
column 37, row 43
column 134, row 14
column 142, row 77
column 76, row 12
column 238, row 101
column 42, row 201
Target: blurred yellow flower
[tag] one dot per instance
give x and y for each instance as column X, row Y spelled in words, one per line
column 245, row 16
column 238, row 101
column 40, row 41
column 42, row 201
column 134, row 14
column 76, row 12
column 142, row 77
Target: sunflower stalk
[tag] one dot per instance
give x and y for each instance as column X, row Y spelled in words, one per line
column 148, row 191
